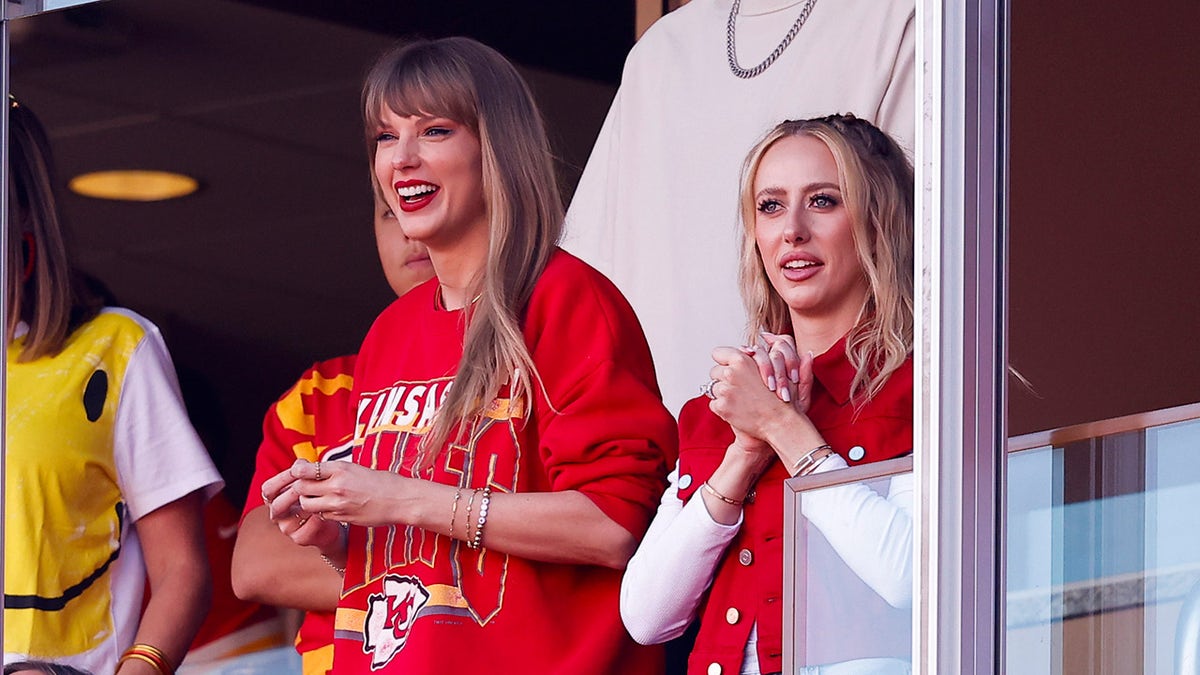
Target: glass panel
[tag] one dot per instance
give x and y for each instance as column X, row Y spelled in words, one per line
column 850, row 558
column 1103, row 554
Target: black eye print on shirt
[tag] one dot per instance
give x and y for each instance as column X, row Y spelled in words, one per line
column 94, row 395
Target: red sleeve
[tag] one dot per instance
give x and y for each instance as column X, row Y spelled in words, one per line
column 605, row 431
column 312, row 417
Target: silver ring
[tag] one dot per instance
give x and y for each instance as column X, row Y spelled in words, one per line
column 707, row 389
column 266, row 499
column 302, row 520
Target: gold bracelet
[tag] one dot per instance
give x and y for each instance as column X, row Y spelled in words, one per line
column 713, row 491
column 143, row 658
column 147, row 654
column 811, row 460
column 467, row 532
column 454, row 511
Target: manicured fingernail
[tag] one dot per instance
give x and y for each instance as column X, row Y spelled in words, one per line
column 771, row 382
column 795, row 375
column 787, row 395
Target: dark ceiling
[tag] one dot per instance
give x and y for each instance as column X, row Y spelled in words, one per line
column 272, row 264
column 581, row 39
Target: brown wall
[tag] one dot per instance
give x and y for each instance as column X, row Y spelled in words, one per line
column 1105, row 231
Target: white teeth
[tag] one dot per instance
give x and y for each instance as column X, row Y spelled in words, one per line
column 799, row 264
column 410, row 191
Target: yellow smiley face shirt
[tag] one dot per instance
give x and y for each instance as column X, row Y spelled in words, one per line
column 67, row 530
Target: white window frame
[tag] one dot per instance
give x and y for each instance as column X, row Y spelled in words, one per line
column 961, row 257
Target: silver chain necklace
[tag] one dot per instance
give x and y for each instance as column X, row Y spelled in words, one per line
column 731, row 42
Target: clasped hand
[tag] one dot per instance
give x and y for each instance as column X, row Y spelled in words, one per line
column 760, row 385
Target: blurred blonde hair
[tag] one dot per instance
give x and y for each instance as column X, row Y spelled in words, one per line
column 53, row 300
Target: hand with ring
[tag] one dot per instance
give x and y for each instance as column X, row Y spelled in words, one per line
column 783, row 369
column 744, row 399
column 290, row 505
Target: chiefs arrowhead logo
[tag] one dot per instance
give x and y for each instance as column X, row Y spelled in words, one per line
column 390, row 615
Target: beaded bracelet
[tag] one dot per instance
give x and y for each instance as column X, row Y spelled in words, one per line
column 713, row 491
column 484, row 502
column 329, row 561
column 147, row 654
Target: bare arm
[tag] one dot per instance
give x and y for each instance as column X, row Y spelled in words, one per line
column 263, row 555
column 560, row 527
column 172, row 539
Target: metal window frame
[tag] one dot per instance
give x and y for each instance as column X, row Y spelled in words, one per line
column 794, row 546
column 959, row 415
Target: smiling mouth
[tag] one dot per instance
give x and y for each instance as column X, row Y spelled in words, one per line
column 416, row 196
column 414, row 193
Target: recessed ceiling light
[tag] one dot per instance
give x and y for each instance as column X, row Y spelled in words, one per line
column 134, row 185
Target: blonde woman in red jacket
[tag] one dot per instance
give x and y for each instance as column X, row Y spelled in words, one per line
column 826, row 273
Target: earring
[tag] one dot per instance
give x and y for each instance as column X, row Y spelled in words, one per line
column 29, row 248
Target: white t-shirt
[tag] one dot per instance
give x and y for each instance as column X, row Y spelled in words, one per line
column 656, row 207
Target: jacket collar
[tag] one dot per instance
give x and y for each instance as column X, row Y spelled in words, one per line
column 835, row 372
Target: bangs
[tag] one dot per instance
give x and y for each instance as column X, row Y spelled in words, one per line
column 415, row 81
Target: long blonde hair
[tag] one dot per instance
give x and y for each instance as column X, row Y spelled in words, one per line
column 42, row 288
column 876, row 182
column 472, row 84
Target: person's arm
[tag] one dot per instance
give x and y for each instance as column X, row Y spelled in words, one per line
column 165, row 477
column 263, row 555
column 308, row 417
column 172, row 541
column 871, row 533
column 673, row 566
column 560, row 527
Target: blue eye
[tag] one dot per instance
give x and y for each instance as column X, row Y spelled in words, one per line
column 769, row 206
column 438, row 131
column 384, row 136
column 823, row 201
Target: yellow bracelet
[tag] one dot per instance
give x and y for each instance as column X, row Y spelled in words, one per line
column 145, row 659
column 148, row 654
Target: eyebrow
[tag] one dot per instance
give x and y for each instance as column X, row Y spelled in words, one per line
column 774, row 191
